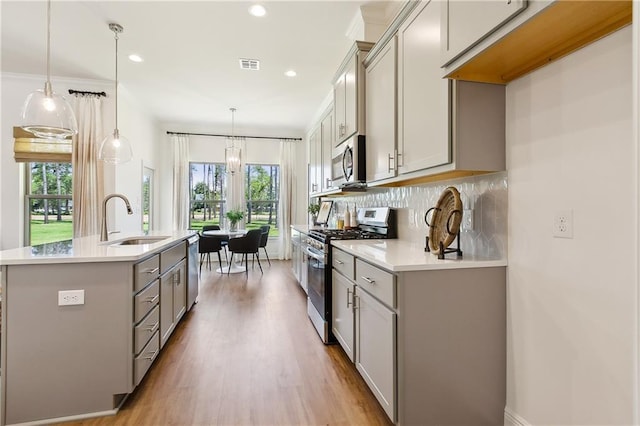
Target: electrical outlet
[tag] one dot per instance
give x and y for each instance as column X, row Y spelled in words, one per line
column 467, row 220
column 70, row 297
column 563, row 224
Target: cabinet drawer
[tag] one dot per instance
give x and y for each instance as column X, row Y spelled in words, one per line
column 142, row 362
column 146, row 271
column 145, row 300
column 171, row 256
column 376, row 282
column 343, row 262
column 145, row 330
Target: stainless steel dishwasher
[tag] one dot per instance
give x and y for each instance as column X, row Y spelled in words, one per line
column 193, row 279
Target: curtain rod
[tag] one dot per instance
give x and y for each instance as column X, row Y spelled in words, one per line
column 80, row 92
column 236, row 136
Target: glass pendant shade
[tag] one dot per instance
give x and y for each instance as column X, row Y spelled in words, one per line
column 232, row 158
column 45, row 113
column 115, row 149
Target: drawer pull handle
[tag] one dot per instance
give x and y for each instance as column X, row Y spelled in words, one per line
column 369, row 280
column 339, row 262
column 153, row 355
column 154, row 327
column 151, row 271
column 152, row 299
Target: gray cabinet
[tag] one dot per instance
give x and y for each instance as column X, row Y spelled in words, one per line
column 326, row 144
column 364, row 323
column 465, row 23
column 419, row 125
column 376, row 348
column 315, row 158
column 423, row 126
column 320, row 149
column 348, row 93
column 381, row 113
column 172, row 299
column 431, row 345
column 342, row 318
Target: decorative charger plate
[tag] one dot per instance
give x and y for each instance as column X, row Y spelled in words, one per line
column 445, row 222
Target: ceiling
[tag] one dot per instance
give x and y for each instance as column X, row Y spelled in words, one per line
column 191, row 51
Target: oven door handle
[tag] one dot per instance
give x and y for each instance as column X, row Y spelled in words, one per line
column 315, row 255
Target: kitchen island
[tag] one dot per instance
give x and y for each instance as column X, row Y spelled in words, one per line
column 83, row 320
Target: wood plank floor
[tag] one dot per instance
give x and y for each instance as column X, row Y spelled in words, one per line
column 247, row 354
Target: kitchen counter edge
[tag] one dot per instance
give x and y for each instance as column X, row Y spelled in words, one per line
column 406, row 256
column 91, row 249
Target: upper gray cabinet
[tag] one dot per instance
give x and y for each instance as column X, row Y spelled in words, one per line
column 380, row 114
column 465, row 23
column 348, row 93
column 422, row 92
column 498, row 42
column 420, row 126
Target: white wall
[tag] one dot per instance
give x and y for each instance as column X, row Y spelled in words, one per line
column 572, row 302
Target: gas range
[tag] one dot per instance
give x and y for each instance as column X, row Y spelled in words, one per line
column 374, row 223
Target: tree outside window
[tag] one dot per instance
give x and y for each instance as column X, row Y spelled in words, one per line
column 49, row 203
column 206, row 184
column 262, row 194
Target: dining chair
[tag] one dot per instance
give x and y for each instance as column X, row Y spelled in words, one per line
column 264, row 238
column 224, row 239
column 208, row 245
column 249, row 244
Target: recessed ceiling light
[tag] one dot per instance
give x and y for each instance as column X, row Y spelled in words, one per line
column 135, row 58
column 290, row 73
column 257, row 10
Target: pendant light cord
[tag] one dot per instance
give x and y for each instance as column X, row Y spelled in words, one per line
column 116, row 97
column 47, row 85
column 116, row 28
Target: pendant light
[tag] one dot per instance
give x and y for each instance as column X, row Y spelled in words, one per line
column 232, row 152
column 45, row 113
column 115, row 148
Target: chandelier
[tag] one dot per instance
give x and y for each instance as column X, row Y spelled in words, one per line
column 232, row 153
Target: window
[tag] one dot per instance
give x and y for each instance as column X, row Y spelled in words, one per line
column 206, row 184
column 49, row 206
column 262, row 194
column 147, row 199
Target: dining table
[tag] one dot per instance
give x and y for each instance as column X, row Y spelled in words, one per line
column 235, row 266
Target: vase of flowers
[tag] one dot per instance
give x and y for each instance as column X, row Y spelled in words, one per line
column 313, row 210
column 234, row 217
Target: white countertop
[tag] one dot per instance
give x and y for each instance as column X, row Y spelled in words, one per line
column 302, row 228
column 404, row 256
column 90, row 249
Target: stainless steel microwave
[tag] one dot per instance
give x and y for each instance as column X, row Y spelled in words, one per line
column 348, row 162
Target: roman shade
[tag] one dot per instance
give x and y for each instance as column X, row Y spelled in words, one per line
column 27, row 147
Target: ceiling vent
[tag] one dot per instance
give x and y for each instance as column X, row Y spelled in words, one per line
column 250, row 64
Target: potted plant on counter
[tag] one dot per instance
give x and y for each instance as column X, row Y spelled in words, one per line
column 234, row 217
column 313, row 210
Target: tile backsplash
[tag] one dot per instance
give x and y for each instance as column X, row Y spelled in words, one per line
column 486, row 195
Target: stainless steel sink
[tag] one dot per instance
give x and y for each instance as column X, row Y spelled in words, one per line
column 133, row 241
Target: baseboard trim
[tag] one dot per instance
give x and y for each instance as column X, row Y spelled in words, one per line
column 513, row 419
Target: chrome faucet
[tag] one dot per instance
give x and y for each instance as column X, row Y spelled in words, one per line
column 104, row 235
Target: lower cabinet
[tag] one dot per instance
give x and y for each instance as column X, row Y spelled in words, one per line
column 431, row 345
column 342, row 320
column 172, row 299
column 376, row 348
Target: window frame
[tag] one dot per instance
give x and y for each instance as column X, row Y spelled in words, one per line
column 29, row 197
